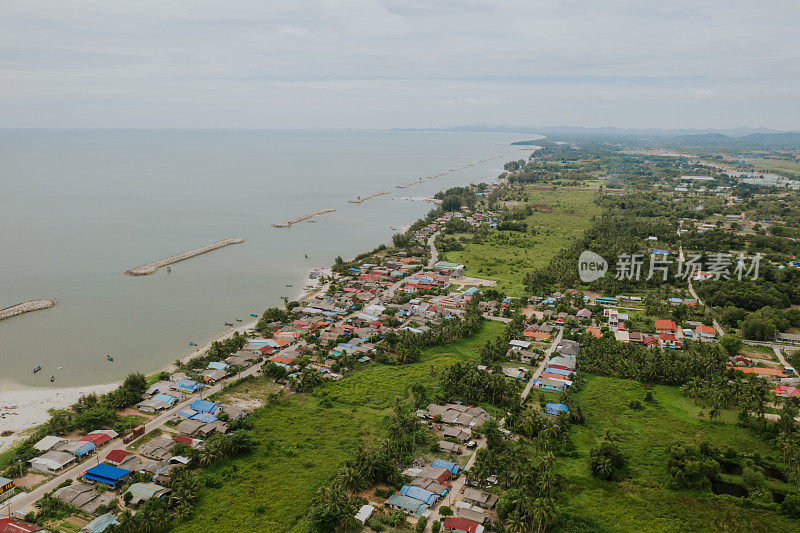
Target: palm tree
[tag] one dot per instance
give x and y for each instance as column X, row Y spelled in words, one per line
column 544, row 511
column 516, row 523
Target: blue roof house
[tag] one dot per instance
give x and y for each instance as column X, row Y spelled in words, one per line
column 204, row 406
column 441, row 463
column 107, row 474
column 418, row 493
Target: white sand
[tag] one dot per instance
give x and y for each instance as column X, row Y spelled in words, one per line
column 23, row 408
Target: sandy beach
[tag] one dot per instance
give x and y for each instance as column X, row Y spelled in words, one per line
column 24, row 408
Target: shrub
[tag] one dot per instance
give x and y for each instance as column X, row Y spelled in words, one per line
column 791, row 505
column 421, row 523
column 635, row 404
column 436, row 527
column 606, row 461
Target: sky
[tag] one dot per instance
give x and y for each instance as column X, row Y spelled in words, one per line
column 399, row 63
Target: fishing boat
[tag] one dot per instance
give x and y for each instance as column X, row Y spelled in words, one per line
column 169, row 269
column 37, row 368
column 238, row 320
column 52, row 379
column 288, row 284
column 228, row 324
column 108, row 356
column 192, row 343
column 253, row 314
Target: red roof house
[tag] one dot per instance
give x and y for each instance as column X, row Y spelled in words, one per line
column 665, row 326
column 459, row 525
column 280, row 359
column 10, row 525
column 98, row 439
column 117, row 457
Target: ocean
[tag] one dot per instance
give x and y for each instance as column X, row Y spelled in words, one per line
column 79, row 207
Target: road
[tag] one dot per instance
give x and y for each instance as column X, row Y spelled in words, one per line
column 434, row 251
column 458, row 485
column 25, row 500
column 720, row 331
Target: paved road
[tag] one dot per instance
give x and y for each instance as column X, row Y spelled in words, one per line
column 434, row 251
column 719, row 329
column 25, row 501
column 458, row 485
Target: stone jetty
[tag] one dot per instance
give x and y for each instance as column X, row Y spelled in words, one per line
column 362, row 199
column 301, row 218
column 26, row 307
column 409, row 184
column 149, row 268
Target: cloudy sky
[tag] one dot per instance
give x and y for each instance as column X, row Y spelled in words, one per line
column 399, row 63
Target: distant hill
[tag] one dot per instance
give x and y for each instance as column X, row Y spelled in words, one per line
column 789, row 138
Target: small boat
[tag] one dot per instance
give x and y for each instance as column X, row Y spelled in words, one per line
column 169, row 269
column 288, row 284
column 253, row 314
column 238, row 320
column 306, row 256
column 37, row 368
column 52, row 379
column 108, row 356
column 192, row 343
column 228, row 324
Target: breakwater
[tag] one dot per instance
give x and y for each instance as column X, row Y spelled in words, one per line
column 409, row 184
column 26, row 307
column 362, row 199
column 149, row 268
column 301, row 218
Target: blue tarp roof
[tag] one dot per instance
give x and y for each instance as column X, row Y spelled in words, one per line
column 418, row 493
column 441, row 463
column 204, row 417
column 106, row 474
column 204, row 406
column 187, row 385
column 553, row 408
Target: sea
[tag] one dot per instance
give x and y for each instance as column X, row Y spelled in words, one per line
column 80, row 207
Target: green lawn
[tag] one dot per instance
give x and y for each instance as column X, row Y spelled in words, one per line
column 301, row 444
column 642, row 502
column 788, row 166
column 560, row 215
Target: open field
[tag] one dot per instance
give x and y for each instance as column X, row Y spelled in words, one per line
column 301, row 444
column 560, row 215
column 777, row 165
column 642, row 502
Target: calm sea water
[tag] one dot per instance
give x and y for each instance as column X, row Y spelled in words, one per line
column 80, row 207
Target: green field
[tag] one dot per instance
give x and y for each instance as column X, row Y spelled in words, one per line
column 301, row 444
column 642, row 502
column 787, row 166
column 561, row 215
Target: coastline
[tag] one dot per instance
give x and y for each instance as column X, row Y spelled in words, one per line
column 24, row 408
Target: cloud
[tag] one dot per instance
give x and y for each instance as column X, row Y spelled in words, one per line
column 394, row 63
column 703, row 94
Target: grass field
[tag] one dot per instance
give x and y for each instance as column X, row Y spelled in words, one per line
column 560, row 215
column 777, row 165
column 301, row 444
column 642, row 502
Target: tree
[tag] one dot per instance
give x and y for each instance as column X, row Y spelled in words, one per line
column 731, row 343
column 445, row 511
column 606, row 461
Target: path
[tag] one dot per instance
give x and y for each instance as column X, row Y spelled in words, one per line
column 434, row 251
column 458, row 485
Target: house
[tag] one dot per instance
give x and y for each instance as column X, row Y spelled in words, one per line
column 468, row 512
column 648, row 341
column 565, row 362
column 419, row 493
column 441, row 463
column 404, row 503
column 459, row 525
column 787, row 391
column 668, row 340
column 188, row 386
column 52, row 461
column 705, row 332
column 665, row 326
column 537, row 335
column 449, row 447
column 621, row 336
column 98, row 438
column 457, row 433
column 594, row 332
column 583, row 314
column 117, row 457
column 100, row 524
column 47, row 443
column 204, row 406
column 635, row 337
column 12, row 525
column 484, row 500
column 78, row 448
column 761, row 371
column 146, row 491
column 553, row 408
column 152, row 405
column 519, row 345
column 548, row 384
column 108, row 475
column 364, row 513
column 158, row 448
column 438, row 474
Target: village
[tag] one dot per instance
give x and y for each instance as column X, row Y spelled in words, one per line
column 365, row 312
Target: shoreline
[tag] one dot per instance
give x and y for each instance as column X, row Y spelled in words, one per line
column 24, row 408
